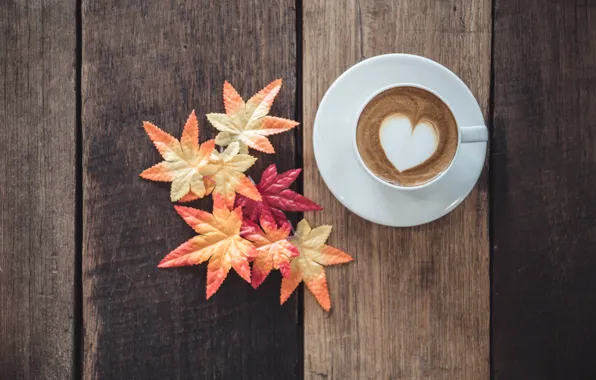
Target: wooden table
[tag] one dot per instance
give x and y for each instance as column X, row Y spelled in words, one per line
column 502, row 287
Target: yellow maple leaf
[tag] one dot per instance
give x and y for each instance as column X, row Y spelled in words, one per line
column 227, row 169
column 308, row 267
column 219, row 242
column 248, row 123
column 209, row 186
column 185, row 161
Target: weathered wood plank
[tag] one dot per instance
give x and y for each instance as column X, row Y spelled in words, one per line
column 155, row 60
column 415, row 304
column 37, row 189
column 544, row 161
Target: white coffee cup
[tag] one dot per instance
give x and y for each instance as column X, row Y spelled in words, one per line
column 466, row 135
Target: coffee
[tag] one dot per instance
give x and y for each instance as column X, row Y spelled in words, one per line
column 407, row 136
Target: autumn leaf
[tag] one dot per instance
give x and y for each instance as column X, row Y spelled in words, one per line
column 276, row 196
column 248, row 123
column 184, row 161
column 274, row 250
column 209, row 186
column 226, row 172
column 219, row 242
column 308, row 267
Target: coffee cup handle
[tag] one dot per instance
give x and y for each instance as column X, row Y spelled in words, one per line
column 478, row 133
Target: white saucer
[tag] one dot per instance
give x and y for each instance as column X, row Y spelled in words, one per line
column 335, row 125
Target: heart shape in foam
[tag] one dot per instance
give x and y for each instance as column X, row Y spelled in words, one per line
column 407, row 146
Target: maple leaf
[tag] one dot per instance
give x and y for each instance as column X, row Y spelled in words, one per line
column 308, row 267
column 276, row 196
column 226, row 172
column 248, row 123
column 219, row 242
column 184, row 161
column 274, row 250
column 209, row 186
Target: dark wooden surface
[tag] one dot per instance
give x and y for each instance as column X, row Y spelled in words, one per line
column 543, row 167
column 37, row 189
column 156, row 61
column 415, row 303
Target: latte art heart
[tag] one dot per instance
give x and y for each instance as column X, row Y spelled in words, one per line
column 407, row 146
column 398, row 152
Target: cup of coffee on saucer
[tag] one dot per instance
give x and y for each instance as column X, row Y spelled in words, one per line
column 399, row 140
column 407, row 137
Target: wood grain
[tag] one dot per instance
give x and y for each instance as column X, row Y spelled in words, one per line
column 544, row 161
column 415, row 304
column 37, row 189
column 156, row 61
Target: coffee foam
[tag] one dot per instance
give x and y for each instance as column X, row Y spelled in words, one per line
column 406, row 136
column 407, row 147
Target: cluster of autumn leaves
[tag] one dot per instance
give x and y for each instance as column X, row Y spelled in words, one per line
column 248, row 223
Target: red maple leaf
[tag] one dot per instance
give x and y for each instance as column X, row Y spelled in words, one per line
column 274, row 249
column 277, row 198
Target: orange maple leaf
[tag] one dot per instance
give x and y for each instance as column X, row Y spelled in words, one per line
column 219, row 242
column 274, row 250
column 184, row 161
column 226, row 172
column 248, row 123
column 308, row 267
